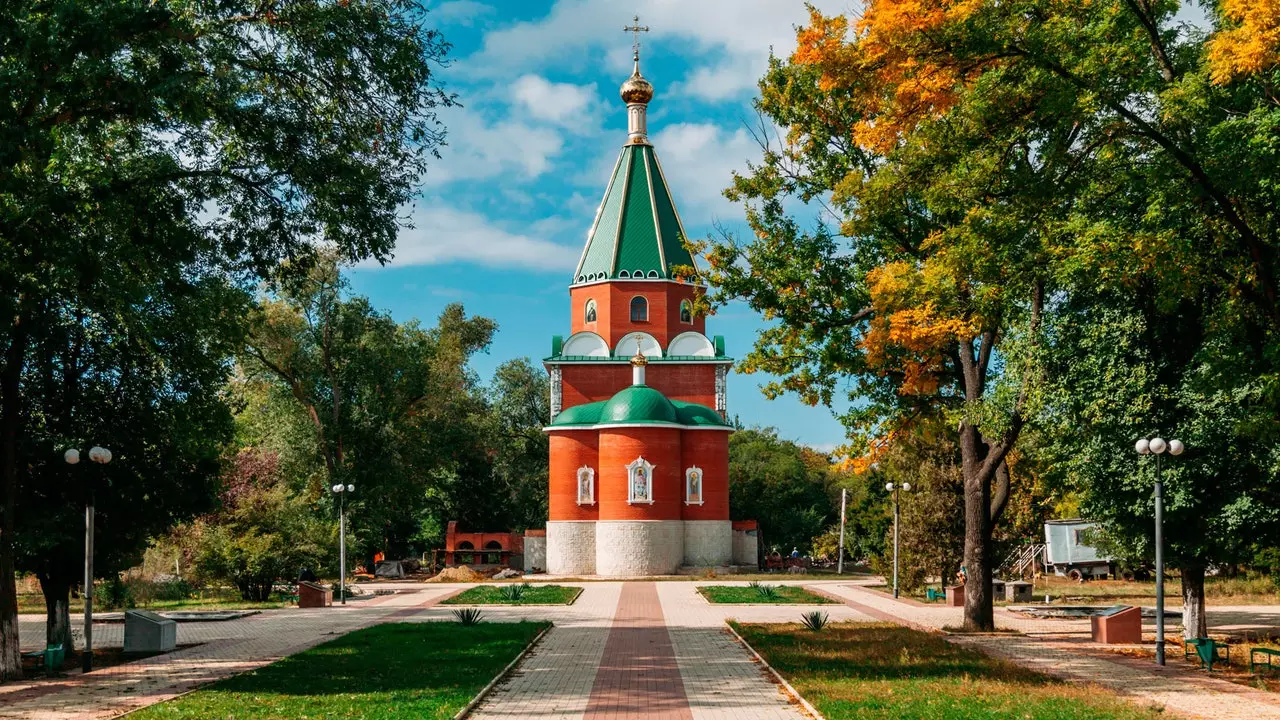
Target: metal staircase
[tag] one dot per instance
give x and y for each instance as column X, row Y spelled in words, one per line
column 1022, row 561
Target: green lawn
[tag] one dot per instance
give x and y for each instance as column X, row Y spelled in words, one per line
column 405, row 670
column 533, row 595
column 786, row 595
column 34, row 603
column 880, row 670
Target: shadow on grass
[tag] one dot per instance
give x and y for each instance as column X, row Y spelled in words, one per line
column 880, row 670
column 387, row 671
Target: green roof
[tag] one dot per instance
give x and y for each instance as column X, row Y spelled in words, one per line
column 639, row 405
column 637, row 231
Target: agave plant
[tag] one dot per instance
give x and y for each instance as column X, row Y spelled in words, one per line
column 468, row 616
column 814, row 621
column 767, row 592
column 514, row 593
column 754, row 584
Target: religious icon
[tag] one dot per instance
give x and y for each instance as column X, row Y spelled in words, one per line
column 584, row 485
column 640, row 484
column 695, row 487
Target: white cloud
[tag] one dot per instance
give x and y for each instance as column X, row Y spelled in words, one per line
column 560, row 103
column 478, row 149
column 461, row 12
column 698, row 159
column 443, row 235
column 739, row 32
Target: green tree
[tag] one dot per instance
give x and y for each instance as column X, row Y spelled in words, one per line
column 392, row 408
column 520, row 451
column 147, row 143
column 263, row 532
column 784, row 486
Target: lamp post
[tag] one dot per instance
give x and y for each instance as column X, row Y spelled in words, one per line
column 844, row 496
column 1156, row 446
column 342, row 491
column 102, row 456
column 894, row 488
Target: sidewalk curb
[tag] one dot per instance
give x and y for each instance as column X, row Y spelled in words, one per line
column 484, row 692
column 809, row 708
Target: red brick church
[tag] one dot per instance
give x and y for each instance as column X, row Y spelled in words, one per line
column 639, row 440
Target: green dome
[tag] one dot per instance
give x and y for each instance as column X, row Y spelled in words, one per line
column 587, row 414
column 638, row 404
column 698, row 415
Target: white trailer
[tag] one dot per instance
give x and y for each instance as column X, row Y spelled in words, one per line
column 1068, row 552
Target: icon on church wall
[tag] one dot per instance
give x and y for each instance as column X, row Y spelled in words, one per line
column 586, row 486
column 693, row 486
column 686, row 312
column 591, row 311
column 641, row 474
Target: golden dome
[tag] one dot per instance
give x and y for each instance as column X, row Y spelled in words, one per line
column 636, row 89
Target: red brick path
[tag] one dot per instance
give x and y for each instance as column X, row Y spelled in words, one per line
column 638, row 675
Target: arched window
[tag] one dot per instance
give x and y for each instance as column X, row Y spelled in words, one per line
column 640, row 481
column 639, row 309
column 591, row 311
column 686, row 312
column 466, row 545
column 586, row 486
column 693, row 486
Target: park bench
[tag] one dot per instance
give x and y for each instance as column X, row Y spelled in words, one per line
column 1268, row 653
column 53, row 655
column 931, row 595
column 1207, row 650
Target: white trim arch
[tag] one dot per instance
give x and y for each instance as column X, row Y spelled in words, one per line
column 585, row 344
column 691, row 344
column 626, row 347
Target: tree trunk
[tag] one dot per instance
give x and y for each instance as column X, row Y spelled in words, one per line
column 978, row 613
column 1194, row 622
column 10, row 426
column 57, row 607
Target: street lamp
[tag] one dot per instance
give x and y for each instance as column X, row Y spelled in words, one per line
column 894, row 488
column 102, row 456
column 1157, row 446
column 342, row 491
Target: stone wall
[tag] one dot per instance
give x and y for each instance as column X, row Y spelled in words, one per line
column 571, row 548
column 535, row 553
column 745, row 551
column 628, row 548
column 708, row 543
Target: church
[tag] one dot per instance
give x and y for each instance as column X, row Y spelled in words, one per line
column 639, row 466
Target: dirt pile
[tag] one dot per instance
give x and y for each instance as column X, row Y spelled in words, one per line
column 460, row 574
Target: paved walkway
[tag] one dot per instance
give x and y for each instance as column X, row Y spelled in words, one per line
column 224, row 649
column 1061, row 648
column 625, row 650
column 644, row 650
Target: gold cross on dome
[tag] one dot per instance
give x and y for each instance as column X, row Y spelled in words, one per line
column 635, row 31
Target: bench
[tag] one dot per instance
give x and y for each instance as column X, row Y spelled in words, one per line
column 1206, row 649
column 931, row 595
column 1268, row 653
column 53, row 655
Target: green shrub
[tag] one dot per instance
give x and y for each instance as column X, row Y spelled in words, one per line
column 468, row 616
column 815, row 620
column 514, row 593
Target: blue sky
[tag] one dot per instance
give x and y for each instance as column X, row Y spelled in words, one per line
column 504, row 214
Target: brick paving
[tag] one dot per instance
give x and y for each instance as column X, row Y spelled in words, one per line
column 644, row 650
column 1060, row 648
column 224, row 649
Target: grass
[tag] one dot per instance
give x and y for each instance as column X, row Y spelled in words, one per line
column 406, row 670
column 533, row 595
column 787, row 595
column 1217, row 590
column 211, row 600
column 879, row 670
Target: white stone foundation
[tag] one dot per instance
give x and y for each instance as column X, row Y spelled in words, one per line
column 571, row 547
column 745, row 548
column 535, row 554
column 629, row 548
column 708, row 543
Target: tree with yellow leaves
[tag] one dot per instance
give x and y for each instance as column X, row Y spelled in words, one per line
column 972, row 164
